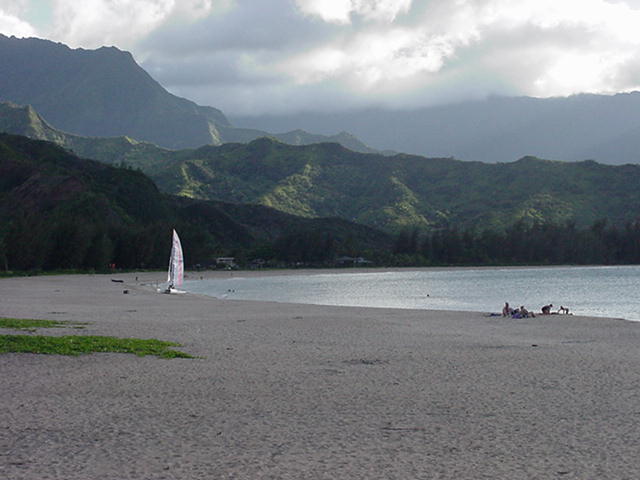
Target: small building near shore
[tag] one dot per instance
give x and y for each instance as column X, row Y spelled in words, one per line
column 226, row 262
column 360, row 261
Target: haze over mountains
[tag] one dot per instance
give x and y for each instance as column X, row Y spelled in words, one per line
column 500, row 129
column 105, row 93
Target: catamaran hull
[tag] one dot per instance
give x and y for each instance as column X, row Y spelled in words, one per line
column 171, row 291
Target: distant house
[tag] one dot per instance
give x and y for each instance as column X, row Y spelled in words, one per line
column 344, row 261
column 226, row 262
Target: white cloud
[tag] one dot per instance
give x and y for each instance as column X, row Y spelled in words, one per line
column 257, row 55
column 372, row 59
column 10, row 25
column 341, row 11
column 535, row 47
column 336, row 11
column 93, row 23
column 11, row 19
column 13, row 7
column 577, row 45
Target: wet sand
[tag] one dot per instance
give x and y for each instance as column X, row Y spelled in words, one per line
column 313, row 392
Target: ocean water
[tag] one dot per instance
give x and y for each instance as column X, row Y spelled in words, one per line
column 594, row 291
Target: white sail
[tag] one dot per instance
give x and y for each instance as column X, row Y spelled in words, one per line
column 176, row 263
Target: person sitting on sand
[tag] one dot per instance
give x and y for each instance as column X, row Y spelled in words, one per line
column 506, row 310
column 563, row 310
column 526, row 313
column 546, row 310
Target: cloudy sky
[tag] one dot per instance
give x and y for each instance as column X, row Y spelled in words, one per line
column 257, row 56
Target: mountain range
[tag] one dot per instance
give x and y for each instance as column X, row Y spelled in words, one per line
column 105, row 93
column 384, row 192
column 392, row 193
column 605, row 128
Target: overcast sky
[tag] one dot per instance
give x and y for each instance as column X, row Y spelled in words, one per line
column 257, row 56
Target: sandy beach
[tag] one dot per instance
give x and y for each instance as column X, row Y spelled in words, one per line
column 285, row 391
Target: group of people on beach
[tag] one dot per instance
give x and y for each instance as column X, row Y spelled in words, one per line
column 522, row 312
column 546, row 310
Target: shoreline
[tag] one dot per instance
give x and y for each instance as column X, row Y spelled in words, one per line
column 305, row 391
column 321, row 271
column 300, row 298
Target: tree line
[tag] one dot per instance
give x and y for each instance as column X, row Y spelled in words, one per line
column 523, row 244
column 64, row 245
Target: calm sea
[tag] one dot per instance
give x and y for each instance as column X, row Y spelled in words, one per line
column 593, row 291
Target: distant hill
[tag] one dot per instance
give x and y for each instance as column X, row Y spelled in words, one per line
column 105, row 93
column 388, row 193
column 24, row 120
column 391, row 193
column 500, row 129
column 61, row 211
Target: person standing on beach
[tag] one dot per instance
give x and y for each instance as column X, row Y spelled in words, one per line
column 506, row 310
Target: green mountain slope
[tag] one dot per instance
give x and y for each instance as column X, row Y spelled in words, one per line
column 394, row 192
column 383, row 192
column 60, row 211
column 105, row 93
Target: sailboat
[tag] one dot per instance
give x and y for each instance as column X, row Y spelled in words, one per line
column 176, row 266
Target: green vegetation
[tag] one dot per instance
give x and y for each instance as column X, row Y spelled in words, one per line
column 32, row 324
column 80, row 345
column 385, row 193
column 392, row 193
column 522, row 244
column 60, row 212
column 75, row 344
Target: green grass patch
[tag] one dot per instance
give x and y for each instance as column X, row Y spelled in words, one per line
column 31, row 324
column 80, row 345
